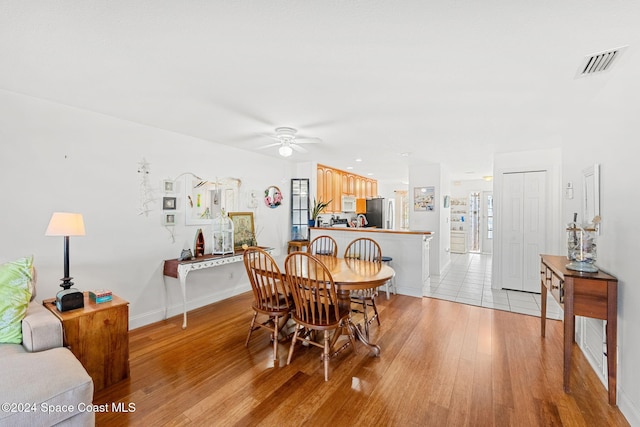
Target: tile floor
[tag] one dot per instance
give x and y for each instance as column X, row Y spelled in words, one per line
column 468, row 280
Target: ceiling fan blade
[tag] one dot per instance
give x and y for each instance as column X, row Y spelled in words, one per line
column 307, row 140
column 321, row 123
column 242, row 111
column 275, row 144
column 252, row 136
column 298, row 148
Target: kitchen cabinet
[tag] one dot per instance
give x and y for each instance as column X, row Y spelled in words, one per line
column 329, row 188
column 333, row 183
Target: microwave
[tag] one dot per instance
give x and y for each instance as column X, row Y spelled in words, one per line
column 348, row 204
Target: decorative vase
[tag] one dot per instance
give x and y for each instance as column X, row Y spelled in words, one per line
column 312, row 223
column 581, row 245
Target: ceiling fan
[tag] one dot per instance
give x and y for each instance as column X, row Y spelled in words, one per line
column 288, row 141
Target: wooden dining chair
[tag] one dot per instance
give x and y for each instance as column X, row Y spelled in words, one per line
column 323, row 245
column 365, row 249
column 271, row 296
column 316, row 305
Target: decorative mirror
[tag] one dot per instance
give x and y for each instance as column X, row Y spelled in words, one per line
column 272, row 197
column 204, row 200
column 591, row 196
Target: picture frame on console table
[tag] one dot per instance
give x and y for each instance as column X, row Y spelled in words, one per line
column 243, row 229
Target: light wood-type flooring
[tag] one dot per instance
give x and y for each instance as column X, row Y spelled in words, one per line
column 442, row 364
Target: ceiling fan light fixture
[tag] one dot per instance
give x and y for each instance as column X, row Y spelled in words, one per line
column 285, row 150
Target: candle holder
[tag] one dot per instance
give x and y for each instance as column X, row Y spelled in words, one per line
column 222, row 235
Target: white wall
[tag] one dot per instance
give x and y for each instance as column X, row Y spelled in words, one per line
column 56, row 158
column 606, row 135
column 431, row 175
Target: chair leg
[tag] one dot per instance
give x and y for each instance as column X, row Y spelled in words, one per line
column 253, row 323
column 325, row 356
column 352, row 337
column 366, row 316
column 375, row 310
column 293, row 343
column 275, row 340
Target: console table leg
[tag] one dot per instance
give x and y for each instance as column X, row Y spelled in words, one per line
column 569, row 332
column 612, row 340
column 543, row 309
column 183, row 288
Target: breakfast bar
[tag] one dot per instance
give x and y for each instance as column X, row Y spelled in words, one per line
column 409, row 250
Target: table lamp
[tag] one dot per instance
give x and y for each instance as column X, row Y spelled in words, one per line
column 67, row 224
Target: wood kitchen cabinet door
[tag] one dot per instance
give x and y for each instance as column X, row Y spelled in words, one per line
column 329, row 188
column 320, row 192
column 360, row 188
column 337, row 191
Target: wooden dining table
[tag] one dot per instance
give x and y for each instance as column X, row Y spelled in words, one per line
column 354, row 274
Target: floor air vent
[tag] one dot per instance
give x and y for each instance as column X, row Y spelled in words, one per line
column 599, row 62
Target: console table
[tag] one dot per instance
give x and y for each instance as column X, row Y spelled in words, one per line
column 180, row 269
column 592, row 295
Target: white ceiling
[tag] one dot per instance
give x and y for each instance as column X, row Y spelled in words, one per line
column 451, row 82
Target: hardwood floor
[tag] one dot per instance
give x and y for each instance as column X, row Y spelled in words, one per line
column 442, row 364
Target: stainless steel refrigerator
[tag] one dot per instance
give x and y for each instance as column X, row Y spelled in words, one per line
column 380, row 213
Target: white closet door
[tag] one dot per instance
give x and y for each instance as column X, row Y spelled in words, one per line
column 523, row 229
column 534, row 228
column 511, row 236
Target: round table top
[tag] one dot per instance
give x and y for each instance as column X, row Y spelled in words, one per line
column 354, row 274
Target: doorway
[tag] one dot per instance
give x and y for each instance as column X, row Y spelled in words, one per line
column 486, row 245
column 474, row 221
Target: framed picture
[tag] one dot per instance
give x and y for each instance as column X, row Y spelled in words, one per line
column 423, row 199
column 168, row 186
column 168, row 203
column 168, row 218
column 243, row 229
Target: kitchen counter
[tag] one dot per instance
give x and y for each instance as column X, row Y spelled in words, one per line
column 409, row 250
column 373, row 230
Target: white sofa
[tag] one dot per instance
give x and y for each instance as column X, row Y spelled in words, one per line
column 41, row 382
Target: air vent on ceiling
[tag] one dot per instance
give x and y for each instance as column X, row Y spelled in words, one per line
column 599, row 62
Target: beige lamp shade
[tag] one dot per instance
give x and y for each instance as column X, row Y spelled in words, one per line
column 65, row 224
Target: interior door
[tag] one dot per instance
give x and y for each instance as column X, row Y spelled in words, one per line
column 511, row 230
column 523, row 229
column 534, row 240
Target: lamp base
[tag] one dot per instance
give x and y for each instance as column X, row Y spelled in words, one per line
column 69, row 299
column 583, row 266
column 66, row 282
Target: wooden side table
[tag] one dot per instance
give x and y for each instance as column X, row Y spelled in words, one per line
column 592, row 295
column 297, row 245
column 98, row 335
